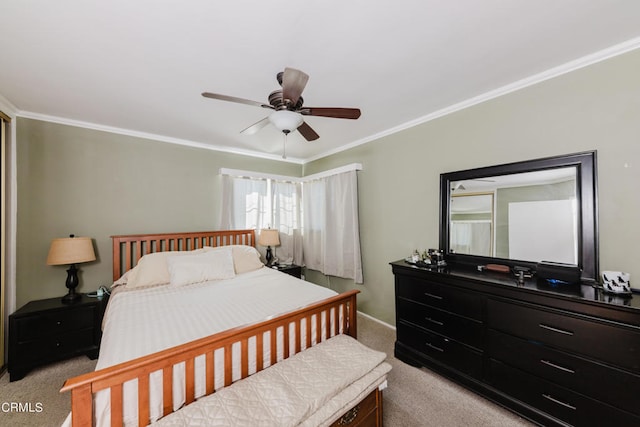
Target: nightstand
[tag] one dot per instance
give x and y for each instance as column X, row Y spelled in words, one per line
column 292, row 269
column 47, row 330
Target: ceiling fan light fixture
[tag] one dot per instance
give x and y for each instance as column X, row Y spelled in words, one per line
column 285, row 120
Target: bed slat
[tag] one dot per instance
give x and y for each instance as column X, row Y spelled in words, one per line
column 210, row 372
column 143, row 399
column 167, row 390
column 190, row 378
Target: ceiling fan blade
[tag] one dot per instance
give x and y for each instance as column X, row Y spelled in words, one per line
column 255, row 127
column 293, row 83
column 308, row 133
column 338, row 113
column 235, row 99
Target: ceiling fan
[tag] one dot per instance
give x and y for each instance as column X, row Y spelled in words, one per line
column 288, row 106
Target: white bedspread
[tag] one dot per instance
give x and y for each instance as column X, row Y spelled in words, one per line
column 144, row 321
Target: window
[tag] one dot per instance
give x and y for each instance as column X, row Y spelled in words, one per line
column 259, row 203
column 317, row 216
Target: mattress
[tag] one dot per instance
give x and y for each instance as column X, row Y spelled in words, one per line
column 139, row 322
column 312, row 388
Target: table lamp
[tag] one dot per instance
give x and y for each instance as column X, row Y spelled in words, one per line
column 71, row 250
column 269, row 237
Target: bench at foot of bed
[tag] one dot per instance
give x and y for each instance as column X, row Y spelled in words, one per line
column 336, row 383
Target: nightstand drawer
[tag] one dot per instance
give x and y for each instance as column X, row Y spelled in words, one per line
column 54, row 347
column 47, row 330
column 55, row 323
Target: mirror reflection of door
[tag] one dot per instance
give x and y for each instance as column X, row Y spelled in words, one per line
column 472, row 223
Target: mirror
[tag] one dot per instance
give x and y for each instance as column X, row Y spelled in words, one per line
column 522, row 213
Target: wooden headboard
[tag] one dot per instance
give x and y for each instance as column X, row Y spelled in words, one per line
column 127, row 250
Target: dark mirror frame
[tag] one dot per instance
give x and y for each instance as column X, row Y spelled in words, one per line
column 587, row 197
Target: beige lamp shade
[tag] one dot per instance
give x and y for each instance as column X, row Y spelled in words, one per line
column 71, row 250
column 269, row 237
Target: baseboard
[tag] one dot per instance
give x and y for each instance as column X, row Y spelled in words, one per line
column 377, row 320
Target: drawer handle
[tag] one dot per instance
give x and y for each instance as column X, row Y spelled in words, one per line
column 433, row 347
column 566, row 405
column 349, row 417
column 437, row 322
column 553, row 365
column 552, row 329
column 433, row 296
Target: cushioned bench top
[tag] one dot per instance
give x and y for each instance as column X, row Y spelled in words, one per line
column 311, row 385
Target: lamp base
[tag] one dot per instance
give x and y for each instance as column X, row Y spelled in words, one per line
column 71, row 284
column 71, row 297
column 268, row 256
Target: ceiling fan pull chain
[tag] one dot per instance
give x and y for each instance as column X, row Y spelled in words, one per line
column 284, row 145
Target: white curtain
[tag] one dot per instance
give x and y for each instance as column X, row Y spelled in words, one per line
column 331, row 237
column 244, row 203
column 471, row 237
column 262, row 203
column 285, row 199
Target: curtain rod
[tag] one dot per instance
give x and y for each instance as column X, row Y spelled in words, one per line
column 261, row 175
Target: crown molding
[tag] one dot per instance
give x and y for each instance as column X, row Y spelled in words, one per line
column 152, row 136
column 565, row 68
column 551, row 73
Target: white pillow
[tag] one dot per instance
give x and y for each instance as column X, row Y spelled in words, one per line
column 245, row 258
column 202, row 267
column 151, row 269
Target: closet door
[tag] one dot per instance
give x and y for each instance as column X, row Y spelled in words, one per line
column 4, row 120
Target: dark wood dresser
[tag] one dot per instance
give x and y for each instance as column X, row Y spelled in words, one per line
column 556, row 355
column 47, row 330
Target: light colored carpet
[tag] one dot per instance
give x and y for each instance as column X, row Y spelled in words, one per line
column 415, row 397
column 420, row 397
column 41, row 388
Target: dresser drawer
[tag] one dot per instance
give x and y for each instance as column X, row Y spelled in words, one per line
column 443, row 349
column 556, row 401
column 442, row 322
column 613, row 386
column 615, row 344
column 55, row 323
column 441, row 296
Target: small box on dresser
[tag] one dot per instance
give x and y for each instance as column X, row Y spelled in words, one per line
column 45, row 331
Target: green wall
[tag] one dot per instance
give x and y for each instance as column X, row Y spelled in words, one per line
column 98, row 184
column 597, row 107
column 87, row 182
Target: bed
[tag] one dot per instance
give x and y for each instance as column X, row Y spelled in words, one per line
column 165, row 346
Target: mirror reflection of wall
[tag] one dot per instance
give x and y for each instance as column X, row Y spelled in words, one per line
column 526, row 216
column 472, row 223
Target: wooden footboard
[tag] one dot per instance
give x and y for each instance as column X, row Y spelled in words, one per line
column 295, row 327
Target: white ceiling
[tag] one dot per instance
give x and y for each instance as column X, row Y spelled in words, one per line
column 139, row 67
